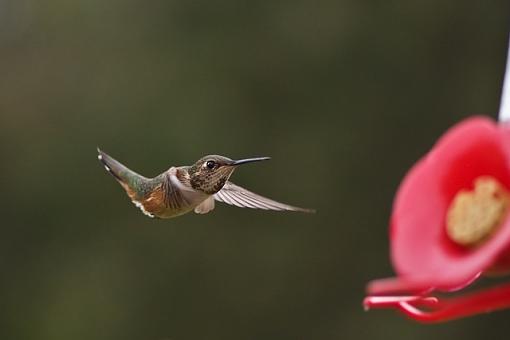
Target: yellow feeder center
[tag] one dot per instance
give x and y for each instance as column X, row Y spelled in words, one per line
column 475, row 215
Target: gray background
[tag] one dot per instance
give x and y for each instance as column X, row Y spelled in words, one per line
column 344, row 96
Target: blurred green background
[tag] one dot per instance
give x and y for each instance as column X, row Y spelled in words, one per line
column 343, row 95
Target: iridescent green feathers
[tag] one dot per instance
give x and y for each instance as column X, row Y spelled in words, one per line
column 130, row 180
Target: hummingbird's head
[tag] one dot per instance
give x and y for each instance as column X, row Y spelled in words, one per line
column 210, row 173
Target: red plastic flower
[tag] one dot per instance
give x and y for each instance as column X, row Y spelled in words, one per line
column 450, row 224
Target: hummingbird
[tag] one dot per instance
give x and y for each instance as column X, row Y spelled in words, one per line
column 183, row 189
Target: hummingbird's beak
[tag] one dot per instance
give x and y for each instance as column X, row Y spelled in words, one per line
column 250, row 160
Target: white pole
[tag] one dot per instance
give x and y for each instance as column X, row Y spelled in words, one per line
column 504, row 108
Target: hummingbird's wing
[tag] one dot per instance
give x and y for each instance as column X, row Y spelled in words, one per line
column 206, row 206
column 235, row 195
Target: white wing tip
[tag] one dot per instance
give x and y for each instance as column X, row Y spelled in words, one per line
column 142, row 208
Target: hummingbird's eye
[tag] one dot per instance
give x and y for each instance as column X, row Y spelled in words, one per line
column 210, row 164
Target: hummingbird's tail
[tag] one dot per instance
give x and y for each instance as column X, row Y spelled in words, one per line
column 130, row 180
